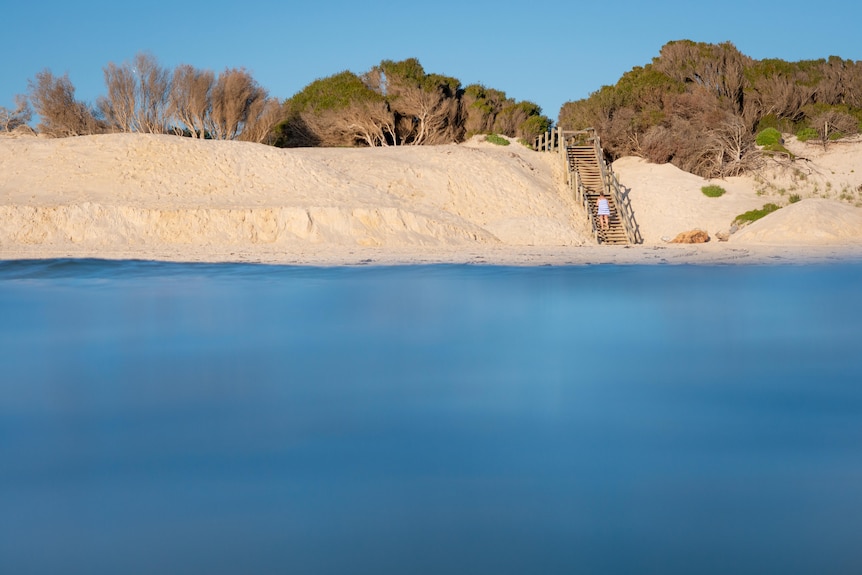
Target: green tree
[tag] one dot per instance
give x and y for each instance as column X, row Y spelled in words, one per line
column 340, row 110
column 699, row 105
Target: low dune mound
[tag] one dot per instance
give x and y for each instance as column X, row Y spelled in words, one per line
column 667, row 200
column 150, row 190
column 812, row 221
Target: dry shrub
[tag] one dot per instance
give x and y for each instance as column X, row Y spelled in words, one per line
column 367, row 123
column 190, row 99
column 435, row 113
column 834, row 123
column 239, row 105
column 12, row 119
column 620, row 134
column 53, row 99
column 658, row 145
column 691, row 237
column 120, row 107
column 263, row 115
column 153, row 88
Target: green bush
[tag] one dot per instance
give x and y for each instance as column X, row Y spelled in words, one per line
column 754, row 215
column 771, row 141
column 794, row 198
column 769, row 137
column 337, row 92
column 534, row 126
column 713, row 191
column 806, row 134
column 495, row 139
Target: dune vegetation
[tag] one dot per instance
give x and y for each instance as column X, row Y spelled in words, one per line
column 702, row 107
column 706, row 108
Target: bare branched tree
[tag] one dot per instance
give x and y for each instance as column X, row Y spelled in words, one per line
column 363, row 123
column 833, row 124
column 137, row 99
column 431, row 112
column 369, row 122
column 427, row 102
column 719, row 68
column 190, row 102
column 234, row 94
column 53, row 99
column 832, row 87
column 153, row 91
column 10, row 118
column 119, row 108
column 319, row 127
column 621, row 133
column 779, row 95
column 730, row 152
column 263, row 115
column 854, row 85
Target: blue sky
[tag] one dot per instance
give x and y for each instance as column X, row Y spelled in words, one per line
column 545, row 51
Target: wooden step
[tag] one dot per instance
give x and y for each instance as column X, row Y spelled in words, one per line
column 583, row 161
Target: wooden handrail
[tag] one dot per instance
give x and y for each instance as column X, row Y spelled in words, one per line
column 579, row 192
column 624, row 207
column 559, row 140
column 623, row 203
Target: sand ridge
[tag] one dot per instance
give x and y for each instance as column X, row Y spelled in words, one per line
column 165, row 197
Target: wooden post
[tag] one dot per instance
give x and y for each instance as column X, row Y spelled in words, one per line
column 825, row 133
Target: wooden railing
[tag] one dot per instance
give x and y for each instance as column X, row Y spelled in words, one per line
column 558, row 140
column 622, row 200
column 580, row 195
column 624, row 208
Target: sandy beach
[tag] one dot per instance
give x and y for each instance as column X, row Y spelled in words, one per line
column 131, row 196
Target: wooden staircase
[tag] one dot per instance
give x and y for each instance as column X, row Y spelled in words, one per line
column 585, row 163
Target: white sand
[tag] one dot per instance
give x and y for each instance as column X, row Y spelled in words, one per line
column 170, row 198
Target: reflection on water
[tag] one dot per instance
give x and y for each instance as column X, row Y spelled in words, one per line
column 159, row 418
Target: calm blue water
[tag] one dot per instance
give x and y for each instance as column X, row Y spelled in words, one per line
column 175, row 418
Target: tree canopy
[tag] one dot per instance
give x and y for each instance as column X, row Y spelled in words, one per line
column 700, row 106
column 697, row 105
column 144, row 97
column 399, row 103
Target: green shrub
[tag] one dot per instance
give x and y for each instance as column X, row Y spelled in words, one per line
column 534, row 126
column 806, row 134
column 754, row 215
column 771, row 141
column 794, row 198
column 495, row 139
column 713, row 191
column 769, row 137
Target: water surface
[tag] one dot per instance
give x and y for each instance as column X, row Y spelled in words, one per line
column 196, row 418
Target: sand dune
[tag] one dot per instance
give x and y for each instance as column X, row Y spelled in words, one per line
column 811, row 221
column 163, row 197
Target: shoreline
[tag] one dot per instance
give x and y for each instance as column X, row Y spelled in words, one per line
column 520, row 256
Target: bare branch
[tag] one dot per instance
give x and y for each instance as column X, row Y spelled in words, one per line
column 54, row 101
column 190, row 102
column 10, row 119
